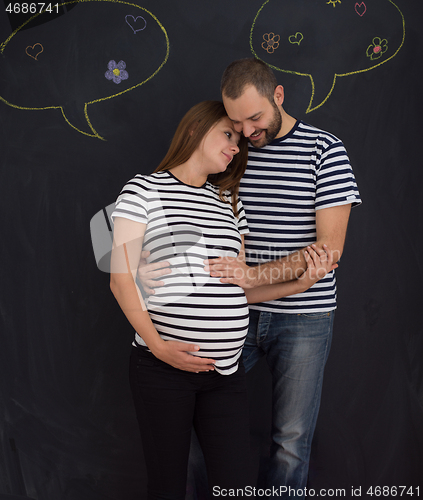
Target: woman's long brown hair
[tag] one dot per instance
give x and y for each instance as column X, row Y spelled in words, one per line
column 188, row 136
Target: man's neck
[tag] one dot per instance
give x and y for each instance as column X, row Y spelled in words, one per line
column 288, row 123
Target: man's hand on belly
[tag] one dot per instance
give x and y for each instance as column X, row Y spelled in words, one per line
column 148, row 272
column 232, row 270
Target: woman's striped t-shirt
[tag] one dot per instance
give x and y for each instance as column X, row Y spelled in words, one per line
column 185, row 226
column 284, row 185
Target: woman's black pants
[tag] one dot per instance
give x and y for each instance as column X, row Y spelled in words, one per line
column 169, row 403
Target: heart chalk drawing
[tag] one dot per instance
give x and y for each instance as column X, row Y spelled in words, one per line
column 34, row 51
column 136, row 23
column 360, row 8
column 297, row 38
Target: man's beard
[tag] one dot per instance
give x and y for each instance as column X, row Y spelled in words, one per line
column 272, row 130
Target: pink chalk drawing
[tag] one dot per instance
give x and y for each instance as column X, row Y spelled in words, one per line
column 360, row 8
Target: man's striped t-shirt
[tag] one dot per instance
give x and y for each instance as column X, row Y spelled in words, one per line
column 284, row 184
column 185, row 226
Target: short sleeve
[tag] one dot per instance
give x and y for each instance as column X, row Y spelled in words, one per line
column 132, row 202
column 242, row 219
column 335, row 183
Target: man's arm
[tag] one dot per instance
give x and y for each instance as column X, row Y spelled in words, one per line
column 319, row 263
column 331, row 228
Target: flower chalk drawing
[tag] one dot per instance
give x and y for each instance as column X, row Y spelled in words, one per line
column 377, row 48
column 271, row 42
column 116, row 72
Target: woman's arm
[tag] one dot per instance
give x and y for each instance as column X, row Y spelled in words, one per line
column 319, row 263
column 126, row 252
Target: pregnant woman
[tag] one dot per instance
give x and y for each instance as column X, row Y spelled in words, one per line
column 186, row 367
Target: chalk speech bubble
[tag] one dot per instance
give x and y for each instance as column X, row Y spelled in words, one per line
column 95, row 52
column 326, row 40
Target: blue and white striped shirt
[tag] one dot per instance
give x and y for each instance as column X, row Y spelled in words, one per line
column 186, row 225
column 284, row 184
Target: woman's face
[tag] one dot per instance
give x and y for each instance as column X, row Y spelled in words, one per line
column 218, row 147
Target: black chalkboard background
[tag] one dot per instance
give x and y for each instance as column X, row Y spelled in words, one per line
column 67, row 425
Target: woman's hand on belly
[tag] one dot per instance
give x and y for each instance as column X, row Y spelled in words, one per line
column 178, row 355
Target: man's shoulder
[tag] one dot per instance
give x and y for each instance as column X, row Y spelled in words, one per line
column 306, row 128
column 317, row 133
column 302, row 135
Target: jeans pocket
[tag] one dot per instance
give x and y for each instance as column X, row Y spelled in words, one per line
column 318, row 315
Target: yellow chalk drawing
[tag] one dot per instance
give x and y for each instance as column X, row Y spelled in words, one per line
column 34, row 51
column 297, row 38
column 94, row 132
column 310, row 108
column 271, row 42
column 333, row 2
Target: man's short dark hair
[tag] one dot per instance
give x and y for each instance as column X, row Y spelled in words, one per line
column 245, row 72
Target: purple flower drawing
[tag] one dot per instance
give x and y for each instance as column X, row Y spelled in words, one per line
column 116, row 72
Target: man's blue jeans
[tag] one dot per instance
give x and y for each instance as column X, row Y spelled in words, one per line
column 296, row 347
